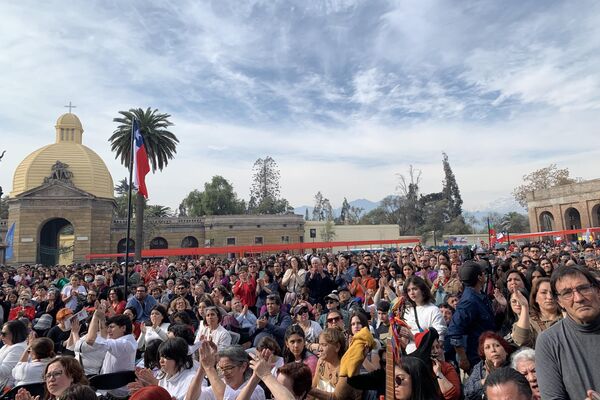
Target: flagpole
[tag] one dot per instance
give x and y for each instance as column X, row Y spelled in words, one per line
column 128, row 238
column 489, row 234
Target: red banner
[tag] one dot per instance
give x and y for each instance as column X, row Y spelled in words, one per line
column 193, row 251
column 548, row 233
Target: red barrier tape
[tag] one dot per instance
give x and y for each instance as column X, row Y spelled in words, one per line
column 192, row 251
column 548, row 233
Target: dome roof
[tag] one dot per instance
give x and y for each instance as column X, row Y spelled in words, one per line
column 89, row 171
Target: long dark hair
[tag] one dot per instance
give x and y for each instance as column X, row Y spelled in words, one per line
column 422, row 285
column 176, row 349
column 288, row 356
column 423, row 386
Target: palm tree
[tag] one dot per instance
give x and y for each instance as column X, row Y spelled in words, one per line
column 161, row 146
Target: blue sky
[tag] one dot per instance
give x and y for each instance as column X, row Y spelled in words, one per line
column 343, row 94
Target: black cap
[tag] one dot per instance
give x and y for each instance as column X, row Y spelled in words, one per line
column 469, row 272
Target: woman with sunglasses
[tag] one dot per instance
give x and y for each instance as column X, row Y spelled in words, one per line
column 414, row 381
column 311, row 328
column 60, row 374
column 296, row 350
column 14, row 336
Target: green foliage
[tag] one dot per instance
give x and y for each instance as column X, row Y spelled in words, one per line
column 349, row 215
column 264, row 191
column 161, row 146
column 328, row 231
column 543, row 178
column 450, row 190
column 218, row 198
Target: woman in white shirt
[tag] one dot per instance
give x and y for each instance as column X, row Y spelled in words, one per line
column 311, row 328
column 158, row 328
column 294, row 277
column 14, row 336
column 176, row 373
column 35, row 357
column 211, row 328
column 420, row 311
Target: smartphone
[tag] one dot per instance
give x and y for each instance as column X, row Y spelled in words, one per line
column 261, row 274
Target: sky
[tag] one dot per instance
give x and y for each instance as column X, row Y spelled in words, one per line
column 343, row 94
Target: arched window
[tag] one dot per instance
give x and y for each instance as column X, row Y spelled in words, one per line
column 546, row 221
column 159, row 243
column 189, row 241
column 121, row 245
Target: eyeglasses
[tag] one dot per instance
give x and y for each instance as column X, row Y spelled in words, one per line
column 331, row 301
column 333, row 320
column 584, row 290
column 303, row 311
column 55, row 375
column 227, row 369
column 3, row 334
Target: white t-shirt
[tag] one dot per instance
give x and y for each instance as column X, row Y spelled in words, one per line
column 231, row 394
column 72, row 302
column 429, row 316
column 178, row 384
column 219, row 336
column 30, row 372
column 91, row 357
column 120, row 356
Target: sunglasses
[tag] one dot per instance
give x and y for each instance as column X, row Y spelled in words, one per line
column 333, row 320
column 399, row 380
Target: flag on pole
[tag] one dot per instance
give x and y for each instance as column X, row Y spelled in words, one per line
column 141, row 167
column 9, row 240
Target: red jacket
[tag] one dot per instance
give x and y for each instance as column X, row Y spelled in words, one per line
column 246, row 291
column 28, row 312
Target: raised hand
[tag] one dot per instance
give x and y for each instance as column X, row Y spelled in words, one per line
column 500, row 297
column 208, row 354
column 260, row 366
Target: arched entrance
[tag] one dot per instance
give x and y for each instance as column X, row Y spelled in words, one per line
column 546, row 221
column 121, row 246
column 56, row 243
column 159, row 243
column 572, row 221
column 189, row 241
column 596, row 215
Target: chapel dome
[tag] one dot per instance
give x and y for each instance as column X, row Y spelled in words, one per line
column 90, row 174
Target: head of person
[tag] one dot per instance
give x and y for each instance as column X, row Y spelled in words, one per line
column 75, row 280
column 413, row 380
column 516, row 280
column 332, row 345
column 79, row 392
column 233, row 364
column 513, row 312
column 63, row 315
column 297, row 378
column 152, row 392
column 42, row 348
column 578, row 293
column 493, row 348
column 181, row 304
column 332, row 301
column 344, row 295
column 173, row 356
column 115, row 295
column 547, row 266
column 151, row 356
column 506, row 383
column 141, row 291
column 183, row 331
column 273, row 304
column 212, row 317
column 362, row 270
column 118, row 326
column 447, row 310
column 383, row 308
column 302, row 313
column 416, row 291
column 295, row 344
column 358, row 320
column 524, row 362
column 407, row 270
column 335, row 319
column 533, row 274
column 130, row 313
column 14, row 332
column 268, row 343
column 471, row 274
column 541, row 299
column 61, row 373
column 158, row 315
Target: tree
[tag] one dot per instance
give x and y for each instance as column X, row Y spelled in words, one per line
column 157, row 211
column 515, row 222
column 306, row 214
column 328, row 231
column 543, row 178
column 218, row 198
column 450, row 190
column 122, row 191
column 161, row 146
column 4, row 207
column 323, row 211
column 264, row 191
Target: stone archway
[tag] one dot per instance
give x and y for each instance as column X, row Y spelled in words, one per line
column 572, row 221
column 56, row 242
column 595, row 214
column 189, row 241
column 546, row 221
column 121, row 246
column 159, row 243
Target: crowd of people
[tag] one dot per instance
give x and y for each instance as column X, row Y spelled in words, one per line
column 520, row 322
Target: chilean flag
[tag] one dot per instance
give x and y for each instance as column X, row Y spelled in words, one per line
column 140, row 161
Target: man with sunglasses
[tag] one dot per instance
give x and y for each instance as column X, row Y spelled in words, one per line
column 567, row 353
